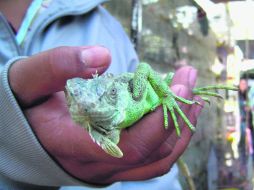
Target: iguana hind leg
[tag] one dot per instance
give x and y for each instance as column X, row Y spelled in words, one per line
column 203, row 92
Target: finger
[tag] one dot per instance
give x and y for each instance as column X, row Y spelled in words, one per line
column 139, row 141
column 183, row 142
column 167, row 146
column 47, row 72
column 192, row 112
column 189, row 79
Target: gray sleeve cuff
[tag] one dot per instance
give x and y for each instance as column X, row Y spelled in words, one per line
column 22, row 157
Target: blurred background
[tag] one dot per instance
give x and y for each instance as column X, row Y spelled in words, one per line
column 217, row 38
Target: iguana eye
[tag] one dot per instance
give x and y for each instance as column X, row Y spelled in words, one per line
column 111, row 95
column 113, row 91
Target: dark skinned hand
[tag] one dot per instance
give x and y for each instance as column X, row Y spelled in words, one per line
column 149, row 149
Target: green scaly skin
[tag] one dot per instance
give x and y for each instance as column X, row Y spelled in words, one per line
column 106, row 104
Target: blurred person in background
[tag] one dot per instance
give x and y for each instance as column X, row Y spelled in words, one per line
column 245, row 116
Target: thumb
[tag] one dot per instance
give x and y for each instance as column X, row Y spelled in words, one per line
column 40, row 75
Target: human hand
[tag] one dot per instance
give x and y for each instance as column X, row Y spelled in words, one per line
column 149, row 149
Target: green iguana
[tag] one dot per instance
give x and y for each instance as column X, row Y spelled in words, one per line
column 106, row 104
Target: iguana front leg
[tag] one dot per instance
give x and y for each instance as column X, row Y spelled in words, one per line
column 144, row 75
column 204, row 91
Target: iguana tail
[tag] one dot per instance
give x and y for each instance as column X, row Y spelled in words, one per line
column 186, row 173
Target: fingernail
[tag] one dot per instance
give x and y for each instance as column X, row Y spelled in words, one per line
column 192, row 75
column 95, row 56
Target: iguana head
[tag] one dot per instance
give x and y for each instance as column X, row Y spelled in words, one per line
column 99, row 105
column 101, row 100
